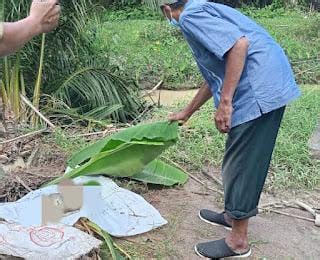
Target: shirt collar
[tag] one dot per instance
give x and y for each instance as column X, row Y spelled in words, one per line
column 191, row 5
column 194, row 3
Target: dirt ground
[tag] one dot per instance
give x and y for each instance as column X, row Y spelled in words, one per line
column 272, row 236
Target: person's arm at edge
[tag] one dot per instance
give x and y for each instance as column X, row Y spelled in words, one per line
column 235, row 61
column 43, row 17
column 16, row 34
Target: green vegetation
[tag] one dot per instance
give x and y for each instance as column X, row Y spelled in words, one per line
column 147, row 48
column 299, row 35
column 202, row 145
column 63, row 65
column 150, row 50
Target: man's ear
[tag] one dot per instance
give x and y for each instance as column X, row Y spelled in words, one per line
column 167, row 11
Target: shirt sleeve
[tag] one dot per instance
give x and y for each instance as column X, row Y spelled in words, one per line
column 215, row 34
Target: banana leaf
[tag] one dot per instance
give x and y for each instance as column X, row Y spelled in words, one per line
column 125, row 153
column 158, row 172
column 157, row 133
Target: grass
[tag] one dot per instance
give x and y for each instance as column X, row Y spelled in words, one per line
column 150, row 50
column 67, row 143
column 202, row 145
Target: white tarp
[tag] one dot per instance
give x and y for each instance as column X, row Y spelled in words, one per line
column 46, row 242
column 118, row 211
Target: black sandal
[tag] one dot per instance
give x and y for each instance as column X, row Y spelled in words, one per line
column 218, row 249
column 214, row 218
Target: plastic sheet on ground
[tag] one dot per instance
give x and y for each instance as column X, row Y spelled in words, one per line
column 47, row 242
column 116, row 210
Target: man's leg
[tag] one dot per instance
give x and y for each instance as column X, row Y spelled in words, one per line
column 249, row 150
column 247, row 158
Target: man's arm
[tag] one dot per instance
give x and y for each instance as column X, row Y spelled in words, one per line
column 236, row 58
column 43, row 18
column 201, row 97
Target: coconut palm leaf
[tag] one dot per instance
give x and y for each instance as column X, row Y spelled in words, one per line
column 97, row 116
column 92, row 89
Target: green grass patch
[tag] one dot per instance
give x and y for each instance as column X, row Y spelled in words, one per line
column 147, row 48
column 292, row 164
column 150, row 50
column 201, row 144
column 69, row 144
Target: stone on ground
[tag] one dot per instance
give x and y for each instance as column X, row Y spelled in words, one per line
column 314, row 143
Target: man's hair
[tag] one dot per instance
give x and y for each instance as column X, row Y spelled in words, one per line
column 176, row 5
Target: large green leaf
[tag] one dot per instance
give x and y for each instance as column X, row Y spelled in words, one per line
column 153, row 133
column 125, row 153
column 158, row 172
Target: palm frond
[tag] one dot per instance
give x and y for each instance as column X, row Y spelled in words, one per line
column 91, row 89
column 88, row 88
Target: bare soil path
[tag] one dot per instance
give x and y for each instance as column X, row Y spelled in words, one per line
column 272, row 236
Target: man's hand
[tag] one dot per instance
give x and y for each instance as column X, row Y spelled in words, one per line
column 223, row 116
column 236, row 58
column 182, row 117
column 45, row 15
column 201, row 97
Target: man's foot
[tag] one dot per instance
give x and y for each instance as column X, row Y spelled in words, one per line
column 219, row 249
column 214, row 218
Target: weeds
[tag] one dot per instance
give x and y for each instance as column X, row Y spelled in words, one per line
column 67, row 143
column 149, row 51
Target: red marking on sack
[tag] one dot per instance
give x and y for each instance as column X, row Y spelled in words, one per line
column 46, row 236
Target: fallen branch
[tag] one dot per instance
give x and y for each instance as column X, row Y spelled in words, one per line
column 23, row 184
column 148, row 93
column 99, row 133
column 202, row 183
column 24, row 136
column 84, row 224
column 213, row 178
column 274, row 204
column 278, row 205
column 28, row 103
column 306, row 207
column 42, row 176
column 194, row 177
column 200, row 193
column 289, row 215
column 90, row 134
column 141, row 115
column 304, row 71
column 32, row 156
